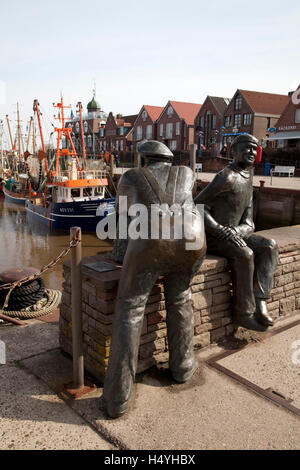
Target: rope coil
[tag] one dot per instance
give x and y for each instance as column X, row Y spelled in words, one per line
column 53, row 300
column 12, row 285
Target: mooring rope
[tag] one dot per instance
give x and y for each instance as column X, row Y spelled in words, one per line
column 53, row 301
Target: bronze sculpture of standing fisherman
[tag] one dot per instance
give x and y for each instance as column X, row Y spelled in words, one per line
column 158, row 182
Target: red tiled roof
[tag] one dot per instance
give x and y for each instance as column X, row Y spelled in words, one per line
column 187, row 111
column 130, row 119
column 154, row 111
column 267, row 103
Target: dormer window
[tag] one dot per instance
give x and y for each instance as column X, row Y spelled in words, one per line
column 238, row 103
column 170, row 111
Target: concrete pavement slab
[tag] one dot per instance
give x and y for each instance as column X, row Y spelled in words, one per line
column 211, row 411
column 33, row 417
column 272, row 364
column 33, row 338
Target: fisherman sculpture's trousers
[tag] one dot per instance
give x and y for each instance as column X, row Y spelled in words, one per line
column 252, row 269
column 144, row 262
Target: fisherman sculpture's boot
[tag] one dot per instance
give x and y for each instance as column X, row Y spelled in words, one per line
column 248, row 321
column 261, row 314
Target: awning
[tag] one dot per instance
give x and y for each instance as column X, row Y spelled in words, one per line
column 284, row 135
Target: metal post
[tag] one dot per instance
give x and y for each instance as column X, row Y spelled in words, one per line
column 112, row 165
column 77, row 340
column 193, row 149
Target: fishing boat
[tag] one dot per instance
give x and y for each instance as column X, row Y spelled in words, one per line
column 16, row 184
column 16, row 190
column 74, row 197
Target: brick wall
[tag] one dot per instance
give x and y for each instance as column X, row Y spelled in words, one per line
column 211, row 296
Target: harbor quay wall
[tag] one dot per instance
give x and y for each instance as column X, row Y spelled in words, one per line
column 211, row 299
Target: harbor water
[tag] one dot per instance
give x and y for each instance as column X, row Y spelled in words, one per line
column 22, row 244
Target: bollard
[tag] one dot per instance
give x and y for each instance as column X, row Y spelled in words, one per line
column 76, row 300
column 193, row 149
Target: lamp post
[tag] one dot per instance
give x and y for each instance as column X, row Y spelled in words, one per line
column 200, row 144
column 216, row 132
column 222, row 128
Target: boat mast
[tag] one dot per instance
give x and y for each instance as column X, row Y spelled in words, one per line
column 63, row 130
column 10, row 134
column 29, row 131
column 19, row 132
column 37, row 110
column 79, row 104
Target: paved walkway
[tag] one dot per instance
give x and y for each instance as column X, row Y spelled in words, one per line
column 211, row 411
column 292, row 182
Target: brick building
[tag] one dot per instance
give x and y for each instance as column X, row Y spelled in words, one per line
column 209, row 122
column 93, row 120
column 252, row 112
column 114, row 136
column 175, row 125
column 287, row 128
column 145, row 126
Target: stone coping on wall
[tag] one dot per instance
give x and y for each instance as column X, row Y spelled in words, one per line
column 211, row 297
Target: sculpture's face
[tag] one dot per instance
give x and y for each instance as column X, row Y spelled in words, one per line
column 245, row 153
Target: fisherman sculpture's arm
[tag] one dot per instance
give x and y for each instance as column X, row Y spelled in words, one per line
column 221, row 184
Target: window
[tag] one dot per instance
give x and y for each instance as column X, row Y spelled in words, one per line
column 139, row 133
column 169, row 130
column 101, row 132
column 213, row 121
column 121, row 130
column 161, row 130
column 237, row 120
column 144, row 115
column 87, row 192
column 121, row 145
column 202, row 121
column 247, row 119
column 89, row 141
column 75, row 192
column 178, row 128
column 149, row 132
column 117, row 145
column 238, row 103
column 77, row 127
column 85, row 126
column 297, row 116
column 227, row 121
column 173, row 145
column 104, row 145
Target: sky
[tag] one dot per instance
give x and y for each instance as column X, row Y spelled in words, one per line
column 143, row 52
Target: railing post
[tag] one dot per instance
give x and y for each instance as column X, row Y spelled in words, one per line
column 76, row 299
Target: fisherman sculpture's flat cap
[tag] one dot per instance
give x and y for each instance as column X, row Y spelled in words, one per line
column 153, row 148
column 244, row 138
